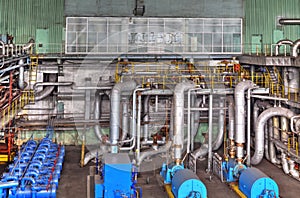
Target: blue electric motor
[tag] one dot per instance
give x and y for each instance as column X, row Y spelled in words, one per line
column 185, row 183
column 255, row 184
column 119, row 179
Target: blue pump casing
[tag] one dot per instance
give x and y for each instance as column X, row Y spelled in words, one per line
column 185, row 183
column 168, row 171
column 35, row 171
column 118, row 177
column 255, row 184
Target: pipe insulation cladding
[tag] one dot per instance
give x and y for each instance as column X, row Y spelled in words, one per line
column 259, row 130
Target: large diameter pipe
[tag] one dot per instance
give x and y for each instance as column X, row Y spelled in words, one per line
column 178, row 100
column 97, row 114
column 280, row 43
column 146, row 118
column 47, row 90
column 115, row 111
column 239, row 96
column 259, row 130
column 21, row 82
column 295, row 48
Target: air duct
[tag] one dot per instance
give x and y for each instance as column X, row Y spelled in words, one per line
column 115, row 111
column 259, row 130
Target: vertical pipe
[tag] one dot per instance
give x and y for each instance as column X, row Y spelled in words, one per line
column 273, row 126
column 21, row 82
column 139, row 126
column 210, row 120
column 248, row 126
column 125, row 119
column 146, row 118
column 284, row 130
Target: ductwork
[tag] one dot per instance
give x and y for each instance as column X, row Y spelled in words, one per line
column 295, row 48
column 178, row 102
column 115, row 110
column 259, row 130
column 47, row 90
column 282, row 42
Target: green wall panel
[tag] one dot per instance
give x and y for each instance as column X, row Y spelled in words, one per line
column 22, row 18
column 261, row 17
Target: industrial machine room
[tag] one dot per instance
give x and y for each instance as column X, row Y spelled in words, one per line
column 149, row 99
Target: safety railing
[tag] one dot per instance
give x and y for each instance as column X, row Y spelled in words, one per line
column 9, row 112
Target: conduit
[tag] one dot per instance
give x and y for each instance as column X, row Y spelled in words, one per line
column 259, row 130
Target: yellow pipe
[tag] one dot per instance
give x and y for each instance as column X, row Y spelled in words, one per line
column 169, row 190
column 235, row 188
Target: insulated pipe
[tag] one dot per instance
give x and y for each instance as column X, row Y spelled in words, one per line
column 282, row 42
column 293, row 83
column 115, row 111
column 239, row 96
column 230, row 102
column 47, row 90
column 161, row 149
column 146, row 118
column 28, row 45
column 259, row 130
column 266, row 142
column 273, row 129
column 289, row 21
column 125, row 119
column 21, row 82
column 178, row 100
column 295, row 48
column 93, row 153
column 97, row 114
column 219, row 138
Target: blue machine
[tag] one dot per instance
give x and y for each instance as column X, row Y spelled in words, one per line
column 231, row 170
column 186, row 183
column 168, row 171
column 118, row 177
column 35, row 171
column 255, row 184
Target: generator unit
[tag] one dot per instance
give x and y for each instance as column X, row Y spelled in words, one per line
column 117, row 178
column 35, row 171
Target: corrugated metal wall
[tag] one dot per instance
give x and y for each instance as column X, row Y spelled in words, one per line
column 22, row 18
column 157, row 8
column 261, row 19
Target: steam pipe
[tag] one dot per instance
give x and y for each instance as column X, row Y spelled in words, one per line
column 93, row 153
column 282, row 42
column 115, row 111
column 21, row 81
column 295, row 48
column 161, row 149
column 259, row 130
column 219, row 138
column 97, row 114
column 179, row 116
column 231, row 117
column 146, row 118
column 125, row 119
column 289, row 21
column 47, row 90
column 273, row 129
column 239, row 96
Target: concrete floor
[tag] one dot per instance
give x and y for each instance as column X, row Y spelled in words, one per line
column 73, row 180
